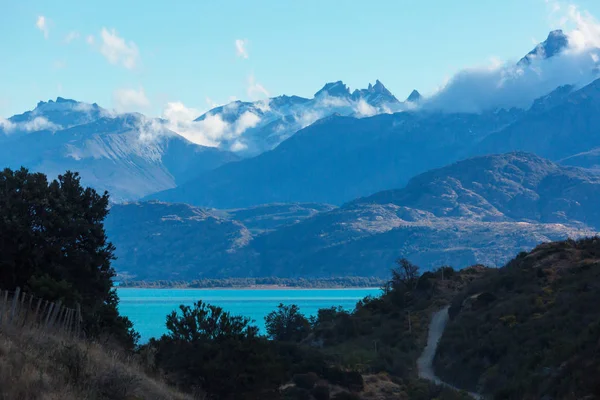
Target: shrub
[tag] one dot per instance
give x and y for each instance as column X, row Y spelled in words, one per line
column 306, row 381
column 321, row 392
column 346, row 396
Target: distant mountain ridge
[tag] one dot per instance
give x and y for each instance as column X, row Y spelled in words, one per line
column 343, row 158
column 278, row 118
column 481, row 210
column 129, row 155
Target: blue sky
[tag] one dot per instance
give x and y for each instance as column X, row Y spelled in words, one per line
column 140, row 55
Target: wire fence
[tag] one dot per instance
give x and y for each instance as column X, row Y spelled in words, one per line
column 20, row 309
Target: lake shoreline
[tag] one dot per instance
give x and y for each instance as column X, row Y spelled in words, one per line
column 147, row 308
column 257, row 287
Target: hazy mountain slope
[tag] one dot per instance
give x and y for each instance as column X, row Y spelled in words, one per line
column 588, row 159
column 176, row 241
column 339, row 158
column 481, row 210
column 269, row 217
column 514, row 186
column 129, row 155
column 567, row 129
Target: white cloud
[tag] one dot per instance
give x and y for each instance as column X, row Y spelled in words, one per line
column 364, row 109
column 6, row 125
column 505, row 85
column 240, row 48
column 238, row 146
column 586, row 32
column 180, row 119
column 117, row 51
column 212, row 130
column 256, row 90
column 73, row 35
column 246, row 121
column 90, row 40
column 149, row 130
column 126, row 100
column 42, row 25
column 36, row 124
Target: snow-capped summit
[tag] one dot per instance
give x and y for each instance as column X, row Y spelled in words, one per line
column 556, row 42
column 130, row 155
column 250, row 128
column 334, row 89
column 55, row 115
column 414, row 97
column 375, row 95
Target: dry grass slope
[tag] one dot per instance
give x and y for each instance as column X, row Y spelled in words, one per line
column 35, row 365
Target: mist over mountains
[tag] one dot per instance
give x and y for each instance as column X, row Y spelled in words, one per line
column 495, row 162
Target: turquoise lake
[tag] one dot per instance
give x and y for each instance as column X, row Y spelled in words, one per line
column 148, row 308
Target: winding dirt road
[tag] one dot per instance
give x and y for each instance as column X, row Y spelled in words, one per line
column 425, row 361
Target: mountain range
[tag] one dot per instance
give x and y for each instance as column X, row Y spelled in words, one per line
column 256, row 127
column 481, row 210
column 339, row 184
column 127, row 154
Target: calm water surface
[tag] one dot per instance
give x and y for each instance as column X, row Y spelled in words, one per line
column 148, row 308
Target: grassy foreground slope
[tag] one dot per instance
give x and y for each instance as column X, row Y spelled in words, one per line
column 36, row 365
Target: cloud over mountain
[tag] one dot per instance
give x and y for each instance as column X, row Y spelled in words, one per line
column 568, row 56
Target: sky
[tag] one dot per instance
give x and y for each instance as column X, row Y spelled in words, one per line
column 142, row 55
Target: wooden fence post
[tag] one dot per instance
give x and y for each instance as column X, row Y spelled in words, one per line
column 68, row 322
column 57, row 311
column 64, row 319
column 78, row 320
column 37, row 310
column 5, row 306
column 48, row 312
column 14, row 304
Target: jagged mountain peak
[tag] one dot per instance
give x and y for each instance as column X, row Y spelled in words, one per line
column 555, row 43
column 334, row 89
column 375, row 95
column 414, row 97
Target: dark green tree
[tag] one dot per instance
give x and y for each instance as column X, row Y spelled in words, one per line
column 287, row 324
column 405, row 275
column 207, row 322
column 53, row 244
column 221, row 354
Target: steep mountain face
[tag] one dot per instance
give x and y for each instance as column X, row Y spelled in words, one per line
column 255, row 127
column 482, row 210
column 269, row 217
column 341, row 158
column 560, row 130
column 587, row 159
column 556, row 42
column 176, row 241
column 52, row 116
column 129, row 155
column 515, row 186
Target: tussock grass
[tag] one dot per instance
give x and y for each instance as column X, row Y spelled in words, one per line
column 35, row 365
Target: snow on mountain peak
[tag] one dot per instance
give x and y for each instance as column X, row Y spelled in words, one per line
column 334, row 89
column 414, row 97
column 556, row 42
